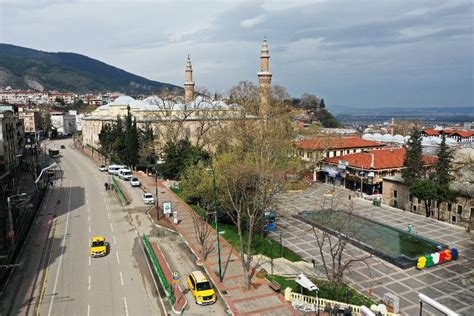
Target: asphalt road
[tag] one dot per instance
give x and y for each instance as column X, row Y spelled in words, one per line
column 117, row 284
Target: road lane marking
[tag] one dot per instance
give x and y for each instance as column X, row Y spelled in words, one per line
column 88, row 209
column 125, row 305
column 121, row 278
column 89, row 228
column 89, row 261
column 106, row 206
column 88, row 218
column 115, row 242
column 111, row 227
column 88, row 310
column 89, row 283
column 63, row 242
column 108, row 215
column 118, row 259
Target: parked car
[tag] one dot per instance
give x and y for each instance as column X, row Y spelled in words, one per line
column 148, row 198
column 201, row 288
column 114, row 169
column 102, row 168
column 125, row 174
column 134, row 182
column 98, row 246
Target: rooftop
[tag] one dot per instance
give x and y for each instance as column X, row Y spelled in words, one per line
column 329, row 143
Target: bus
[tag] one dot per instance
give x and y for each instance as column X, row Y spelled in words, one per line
column 53, row 152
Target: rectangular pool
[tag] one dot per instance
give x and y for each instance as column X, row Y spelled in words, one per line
column 389, row 243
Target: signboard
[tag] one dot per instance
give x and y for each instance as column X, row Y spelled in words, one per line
column 166, row 208
column 175, row 217
column 175, row 277
column 342, row 164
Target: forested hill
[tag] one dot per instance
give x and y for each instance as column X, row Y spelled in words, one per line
column 23, row 68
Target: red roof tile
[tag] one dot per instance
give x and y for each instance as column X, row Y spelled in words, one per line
column 464, row 133
column 431, row 132
column 378, row 159
column 331, row 143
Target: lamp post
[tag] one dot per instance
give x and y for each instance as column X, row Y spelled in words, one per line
column 11, row 231
column 215, row 219
column 158, row 162
column 54, row 164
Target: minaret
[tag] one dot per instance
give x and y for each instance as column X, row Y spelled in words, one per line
column 264, row 79
column 189, row 83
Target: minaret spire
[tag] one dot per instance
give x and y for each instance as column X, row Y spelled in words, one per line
column 189, row 83
column 264, row 79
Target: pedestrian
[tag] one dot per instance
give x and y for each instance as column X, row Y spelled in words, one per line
column 410, row 228
column 106, row 186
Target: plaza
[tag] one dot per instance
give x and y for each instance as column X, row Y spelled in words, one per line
column 451, row 284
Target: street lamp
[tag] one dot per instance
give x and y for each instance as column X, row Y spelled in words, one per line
column 44, row 169
column 215, row 219
column 158, row 162
column 11, row 232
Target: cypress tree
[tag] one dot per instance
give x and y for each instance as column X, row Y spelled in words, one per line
column 443, row 177
column 414, row 169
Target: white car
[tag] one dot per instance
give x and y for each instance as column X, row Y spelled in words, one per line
column 125, row 174
column 148, row 198
column 134, row 182
column 102, row 168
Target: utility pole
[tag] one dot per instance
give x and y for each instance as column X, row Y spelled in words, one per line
column 217, row 229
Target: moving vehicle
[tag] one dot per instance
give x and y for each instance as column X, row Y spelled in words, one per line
column 148, row 198
column 53, row 152
column 114, row 169
column 103, row 168
column 98, row 247
column 134, row 182
column 125, row 174
column 201, row 288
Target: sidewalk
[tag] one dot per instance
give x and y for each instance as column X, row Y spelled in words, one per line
column 259, row 300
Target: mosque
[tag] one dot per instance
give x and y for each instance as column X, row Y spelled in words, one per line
column 192, row 116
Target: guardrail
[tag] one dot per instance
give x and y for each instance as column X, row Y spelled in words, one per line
column 119, row 191
column 158, row 270
column 303, row 301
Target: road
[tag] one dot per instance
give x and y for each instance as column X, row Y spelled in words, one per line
column 117, row 284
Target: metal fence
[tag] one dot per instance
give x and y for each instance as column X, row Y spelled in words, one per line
column 119, row 191
column 157, row 269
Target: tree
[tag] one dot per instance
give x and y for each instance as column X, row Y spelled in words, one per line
column 426, row 191
column 413, row 164
column 203, row 231
column 443, row 174
column 333, row 247
column 180, row 156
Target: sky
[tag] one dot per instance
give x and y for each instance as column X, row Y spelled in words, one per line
column 355, row 53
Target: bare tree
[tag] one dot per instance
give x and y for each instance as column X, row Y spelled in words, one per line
column 333, row 246
column 203, row 231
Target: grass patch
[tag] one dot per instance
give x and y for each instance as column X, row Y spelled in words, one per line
column 261, row 245
column 326, row 290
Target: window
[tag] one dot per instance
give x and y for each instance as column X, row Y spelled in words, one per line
column 410, row 198
column 341, row 152
column 453, row 219
column 460, row 209
column 327, row 154
column 334, row 154
column 348, row 151
column 395, row 194
column 414, row 208
column 450, row 207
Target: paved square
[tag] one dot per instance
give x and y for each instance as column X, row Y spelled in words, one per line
column 451, row 283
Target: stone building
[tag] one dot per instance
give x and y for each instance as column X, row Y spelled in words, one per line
column 195, row 118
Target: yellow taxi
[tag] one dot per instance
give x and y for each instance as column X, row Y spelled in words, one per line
column 201, row 288
column 98, row 246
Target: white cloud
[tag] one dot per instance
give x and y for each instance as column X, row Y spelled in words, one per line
column 250, row 23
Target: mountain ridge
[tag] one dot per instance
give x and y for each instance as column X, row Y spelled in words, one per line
column 22, row 67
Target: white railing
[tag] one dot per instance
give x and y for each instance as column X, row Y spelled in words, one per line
column 305, row 302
